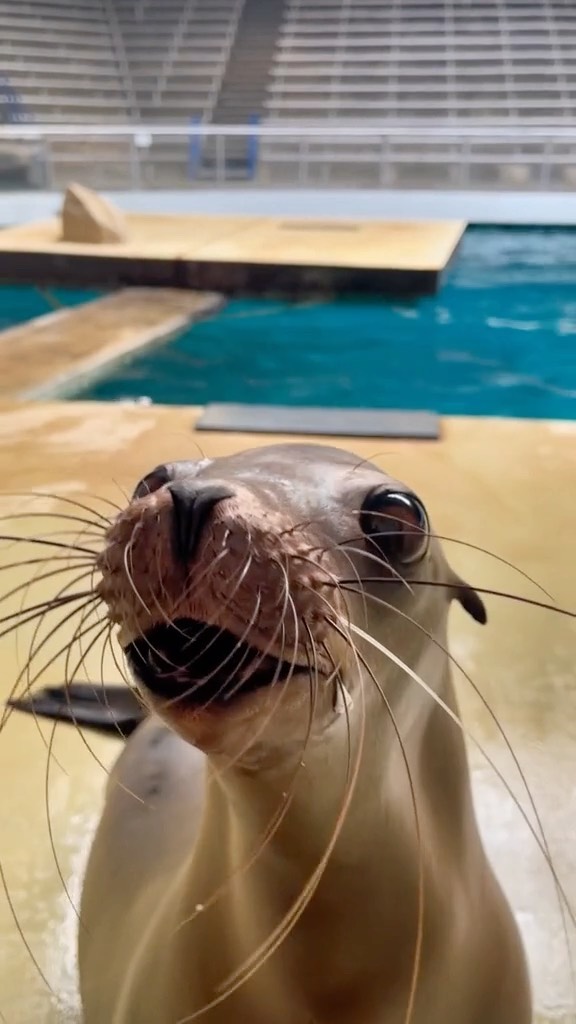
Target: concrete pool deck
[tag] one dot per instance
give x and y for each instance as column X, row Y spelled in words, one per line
column 241, row 254
column 504, row 485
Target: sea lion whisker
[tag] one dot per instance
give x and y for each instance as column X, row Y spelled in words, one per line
column 344, row 547
column 65, row 517
column 242, row 573
column 545, row 849
column 289, row 920
column 71, row 582
column 198, row 683
column 50, row 754
column 128, row 569
column 280, row 629
column 121, row 668
column 486, row 704
column 22, row 934
column 271, row 828
column 344, row 698
column 102, row 685
column 133, row 689
column 380, row 560
column 419, row 940
column 451, row 585
column 25, row 672
column 260, row 656
column 27, row 615
column 417, row 958
column 564, row 904
column 470, row 736
column 368, row 460
column 324, row 549
column 64, row 500
column 129, row 572
column 48, row 560
column 282, row 930
column 39, row 538
column 70, row 676
column 164, row 596
column 192, row 588
column 69, row 680
column 86, row 609
column 22, row 674
column 46, row 576
column 273, row 825
column 108, row 501
column 268, row 718
column 206, row 575
column 166, row 618
column 254, row 664
column 463, row 543
column 14, row 538
column 35, row 648
column 239, row 642
column 126, row 497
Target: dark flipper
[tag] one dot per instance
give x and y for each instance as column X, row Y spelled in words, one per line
column 115, row 710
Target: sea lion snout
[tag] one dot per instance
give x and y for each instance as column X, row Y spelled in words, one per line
column 216, row 588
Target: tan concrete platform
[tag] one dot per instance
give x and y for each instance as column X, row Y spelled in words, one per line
column 240, row 253
column 41, row 355
column 504, row 485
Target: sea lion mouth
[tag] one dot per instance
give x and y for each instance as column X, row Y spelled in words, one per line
column 199, row 664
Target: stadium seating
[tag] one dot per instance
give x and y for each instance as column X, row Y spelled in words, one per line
column 403, row 64
column 472, row 60
column 411, row 63
column 61, row 59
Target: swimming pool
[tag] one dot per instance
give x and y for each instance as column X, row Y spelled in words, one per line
column 499, row 339
column 19, row 303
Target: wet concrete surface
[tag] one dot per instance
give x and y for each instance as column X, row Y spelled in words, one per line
column 506, row 486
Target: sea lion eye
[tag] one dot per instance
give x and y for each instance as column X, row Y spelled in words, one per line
column 396, row 524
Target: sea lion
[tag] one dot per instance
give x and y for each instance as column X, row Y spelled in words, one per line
column 289, row 835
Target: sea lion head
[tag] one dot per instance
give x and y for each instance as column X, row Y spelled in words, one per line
column 239, row 585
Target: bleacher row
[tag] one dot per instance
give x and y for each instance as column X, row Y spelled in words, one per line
column 116, row 60
column 413, row 61
column 366, row 62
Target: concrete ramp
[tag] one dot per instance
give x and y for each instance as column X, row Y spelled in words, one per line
column 42, row 357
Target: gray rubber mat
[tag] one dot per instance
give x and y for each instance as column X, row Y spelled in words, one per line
column 283, row 419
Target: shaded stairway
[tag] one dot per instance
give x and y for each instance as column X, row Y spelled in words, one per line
column 242, row 94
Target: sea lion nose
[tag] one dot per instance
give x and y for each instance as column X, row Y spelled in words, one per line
column 193, row 501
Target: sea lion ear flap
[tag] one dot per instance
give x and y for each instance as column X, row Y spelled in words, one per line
column 471, row 602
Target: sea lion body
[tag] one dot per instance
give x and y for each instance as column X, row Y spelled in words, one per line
column 187, row 879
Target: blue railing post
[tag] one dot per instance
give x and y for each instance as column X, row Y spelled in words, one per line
column 253, row 148
column 194, row 149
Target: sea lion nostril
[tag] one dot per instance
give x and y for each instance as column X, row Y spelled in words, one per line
column 152, row 482
column 193, row 502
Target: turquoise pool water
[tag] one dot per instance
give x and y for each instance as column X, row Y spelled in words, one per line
column 499, row 339
column 19, row 303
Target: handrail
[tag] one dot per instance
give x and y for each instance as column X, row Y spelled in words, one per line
column 504, row 131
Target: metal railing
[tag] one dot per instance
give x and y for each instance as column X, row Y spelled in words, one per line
column 396, row 155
